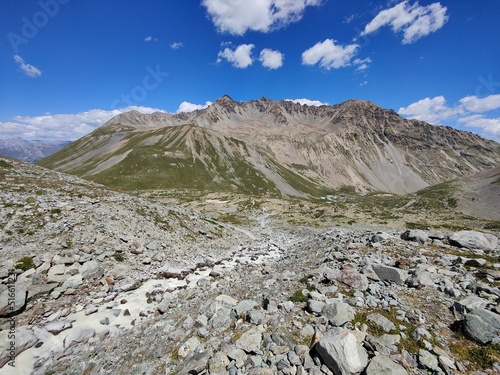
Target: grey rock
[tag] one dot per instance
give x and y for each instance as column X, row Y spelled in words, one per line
column 244, row 306
column 58, row 326
column 386, row 273
column 474, row 240
column 429, row 361
column 415, row 235
column 25, row 339
column 338, row 313
column 383, row 365
column 250, row 341
column 380, row 237
column 72, row 282
column 341, row 352
column 354, row 279
column 188, row 347
column 6, row 306
column 218, row 363
column 195, row 364
column 483, row 326
column 136, row 247
column 91, row 270
column 382, row 322
column 315, row 307
column 79, row 335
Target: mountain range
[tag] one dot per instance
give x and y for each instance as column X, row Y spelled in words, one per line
column 30, row 151
column 277, row 148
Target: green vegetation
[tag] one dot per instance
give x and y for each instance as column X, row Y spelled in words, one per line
column 477, row 356
column 298, row 297
column 118, row 257
column 25, row 263
column 5, row 165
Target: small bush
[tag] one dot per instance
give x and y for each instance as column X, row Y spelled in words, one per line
column 118, row 257
column 298, row 296
column 4, row 164
column 25, row 263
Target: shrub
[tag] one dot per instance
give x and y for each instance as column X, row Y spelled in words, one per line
column 25, row 263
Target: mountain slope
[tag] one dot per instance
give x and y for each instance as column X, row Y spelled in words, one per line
column 266, row 146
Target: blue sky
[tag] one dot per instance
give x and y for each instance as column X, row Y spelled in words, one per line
column 67, row 66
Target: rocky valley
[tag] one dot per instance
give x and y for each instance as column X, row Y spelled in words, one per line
column 254, row 238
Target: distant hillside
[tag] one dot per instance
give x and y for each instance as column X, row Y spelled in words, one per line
column 30, row 151
column 275, row 147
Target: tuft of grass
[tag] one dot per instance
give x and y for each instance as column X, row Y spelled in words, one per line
column 118, row 257
column 25, row 263
column 298, row 297
column 480, row 357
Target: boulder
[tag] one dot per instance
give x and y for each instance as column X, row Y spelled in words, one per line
column 19, row 290
column 338, row 313
column 341, row 352
column 72, row 282
column 473, row 240
column 79, row 335
column 250, row 341
column 381, row 321
column 58, row 326
column 25, row 339
column 483, row 326
column 91, row 270
column 386, row 273
column 382, row 365
column 354, row 279
column 415, row 235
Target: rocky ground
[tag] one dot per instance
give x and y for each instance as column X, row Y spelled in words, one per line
column 126, row 285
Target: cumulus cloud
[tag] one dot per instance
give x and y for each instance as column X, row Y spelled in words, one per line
column 240, row 58
column 238, row 16
column 475, row 104
column 329, row 55
column 271, row 59
column 28, row 69
column 150, row 39
column 176, row 45
column 190, row 107
column 466, row 112
column 430, row 109
column 62, row 126
column 490, row 126
column 413, row 20
column 314, row 103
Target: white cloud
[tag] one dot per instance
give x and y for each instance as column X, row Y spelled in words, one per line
column 176, row 45
column 241, row 57
column 329, row 55
column 435, row 110
column 414, row 21
column 490, row 126
column 150, row 39
column 28, row 69
column 190, row 107
column 271, row 59
column 313, row 103
column 238, row 16
column 475, row 104
column 62, row 126
column 362, row 64
column 430, row 109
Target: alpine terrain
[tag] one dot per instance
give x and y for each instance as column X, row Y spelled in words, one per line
column 278, row 148
column 261, row 237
